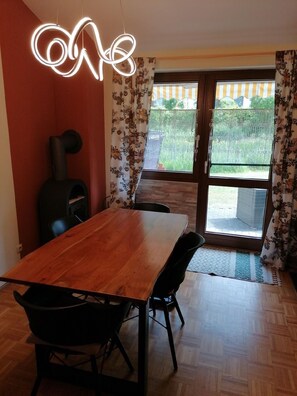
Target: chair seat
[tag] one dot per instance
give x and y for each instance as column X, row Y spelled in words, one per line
column 87, row 349
column 63, row 326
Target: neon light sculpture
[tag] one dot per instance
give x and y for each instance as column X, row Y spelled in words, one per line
column 114, row 55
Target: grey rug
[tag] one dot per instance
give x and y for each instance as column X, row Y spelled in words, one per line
column 233, row 264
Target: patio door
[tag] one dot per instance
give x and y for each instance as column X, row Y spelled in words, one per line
column 234, row 169
column 213, row 131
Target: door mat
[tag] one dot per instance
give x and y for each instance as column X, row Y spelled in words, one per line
column 233, row 264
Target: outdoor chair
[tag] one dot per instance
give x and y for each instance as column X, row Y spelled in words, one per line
column 65, row 327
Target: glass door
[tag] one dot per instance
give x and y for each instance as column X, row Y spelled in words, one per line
column 234, row 183
column 213, row 132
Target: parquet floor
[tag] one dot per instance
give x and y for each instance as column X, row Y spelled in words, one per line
column 240, row 338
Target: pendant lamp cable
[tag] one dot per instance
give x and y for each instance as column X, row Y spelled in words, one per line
column 122, row 13
column 57, row 16
column 83, row 32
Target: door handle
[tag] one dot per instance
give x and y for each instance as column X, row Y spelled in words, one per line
column 205, row 167
column 197, row 139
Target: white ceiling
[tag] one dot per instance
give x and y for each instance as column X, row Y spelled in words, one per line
column 185, row 26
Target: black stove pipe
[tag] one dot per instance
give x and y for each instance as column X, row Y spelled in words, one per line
column 69, row 142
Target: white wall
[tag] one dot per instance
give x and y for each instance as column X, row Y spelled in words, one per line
column 9, row 238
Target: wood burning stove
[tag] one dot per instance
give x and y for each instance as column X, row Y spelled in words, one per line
column 60, row 196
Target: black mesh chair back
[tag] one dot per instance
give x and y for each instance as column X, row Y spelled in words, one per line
column 61, row 321
column 168, row 283
column 60, row 318
column 175, row 270
column 151, row 206
column 59, row 226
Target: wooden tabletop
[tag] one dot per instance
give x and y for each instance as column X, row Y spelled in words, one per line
column 117, row 252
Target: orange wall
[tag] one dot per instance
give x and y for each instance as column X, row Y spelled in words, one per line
column 40, row 104
column 79, row 103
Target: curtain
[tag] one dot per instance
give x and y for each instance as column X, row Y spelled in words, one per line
column 280, row 240
column 131, row 99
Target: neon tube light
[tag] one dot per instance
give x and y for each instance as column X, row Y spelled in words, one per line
column 114, row 55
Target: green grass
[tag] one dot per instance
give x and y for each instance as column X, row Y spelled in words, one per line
column 237, row 138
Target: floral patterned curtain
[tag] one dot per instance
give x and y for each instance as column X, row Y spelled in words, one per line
column 130, row 111
column 280, row 241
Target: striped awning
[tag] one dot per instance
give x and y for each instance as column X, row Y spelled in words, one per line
column 248, row 90
column 234, row 90
column 180, row 92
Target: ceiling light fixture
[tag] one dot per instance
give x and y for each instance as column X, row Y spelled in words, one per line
column 115, row 55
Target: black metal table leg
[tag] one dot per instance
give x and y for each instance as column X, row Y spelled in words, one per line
column 143, row 348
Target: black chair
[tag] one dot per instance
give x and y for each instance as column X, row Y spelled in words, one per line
column 62, row 224
column 65, row 325
column 151, row 206
column 168, row 283
column 59, row 226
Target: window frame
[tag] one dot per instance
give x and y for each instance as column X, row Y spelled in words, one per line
column 179, row 77
column 205, row 80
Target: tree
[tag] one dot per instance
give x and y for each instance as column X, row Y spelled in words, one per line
column 170, row 103
column 262, row 103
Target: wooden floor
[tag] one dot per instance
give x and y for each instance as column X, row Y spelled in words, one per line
column 240, row 338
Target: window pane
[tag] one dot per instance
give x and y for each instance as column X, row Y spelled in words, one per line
column 242, row 130
column 172, row 124
column 236, row 211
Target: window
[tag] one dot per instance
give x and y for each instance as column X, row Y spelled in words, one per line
column 242, row 129
column 172, row 126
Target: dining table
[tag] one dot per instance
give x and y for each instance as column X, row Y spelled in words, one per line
column 117, row 253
